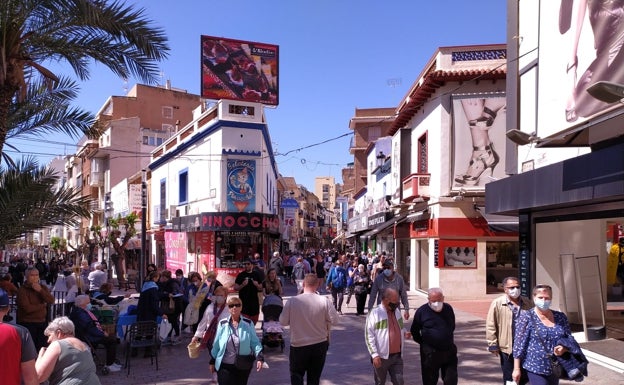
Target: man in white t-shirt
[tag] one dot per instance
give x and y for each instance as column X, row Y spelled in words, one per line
column 97, row 277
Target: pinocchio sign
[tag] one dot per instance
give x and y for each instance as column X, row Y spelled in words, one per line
column 227, row 221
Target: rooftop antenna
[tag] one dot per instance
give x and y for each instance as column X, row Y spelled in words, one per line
column 394, row 82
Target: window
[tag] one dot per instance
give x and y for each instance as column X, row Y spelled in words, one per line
column 373, row 133
column 167, row 112
column 423, row 167
column 183, row 187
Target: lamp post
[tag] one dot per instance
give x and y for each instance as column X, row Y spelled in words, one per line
column 143, row 224
column 108, row 212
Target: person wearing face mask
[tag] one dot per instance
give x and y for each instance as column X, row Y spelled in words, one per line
column 542, row 334
column 388, row 278
column 433, row 328
column 385, row 335
column 500, row 323
column 207, row 327
column 196, row 297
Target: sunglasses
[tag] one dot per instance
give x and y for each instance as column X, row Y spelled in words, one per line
column 512, row 287
column 234, row 305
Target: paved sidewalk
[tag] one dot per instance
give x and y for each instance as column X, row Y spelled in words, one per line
column 347, row 361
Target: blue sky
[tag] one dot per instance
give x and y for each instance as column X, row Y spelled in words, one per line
column 335, row 56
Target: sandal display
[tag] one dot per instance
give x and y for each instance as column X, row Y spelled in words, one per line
column 483, row 159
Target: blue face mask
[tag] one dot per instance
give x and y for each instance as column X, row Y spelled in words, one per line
column 387, row 272
column 89, row 307
column 543, row 304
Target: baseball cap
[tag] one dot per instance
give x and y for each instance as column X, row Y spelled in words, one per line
column 388, row 263
column 4, row 298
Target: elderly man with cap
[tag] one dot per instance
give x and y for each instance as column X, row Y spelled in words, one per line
column 17, row 351
column 388, row 278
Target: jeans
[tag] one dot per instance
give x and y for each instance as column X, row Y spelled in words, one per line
column 308, row 359
column 337, row 297
column 393, row 366
column 507, row 364
column 436, row 362
column 36, row 330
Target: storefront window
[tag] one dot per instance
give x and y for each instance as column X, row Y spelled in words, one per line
column 502, row 261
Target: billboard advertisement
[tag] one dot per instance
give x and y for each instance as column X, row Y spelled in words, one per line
column 478, row 140
column 579, row 44
column 239, row 70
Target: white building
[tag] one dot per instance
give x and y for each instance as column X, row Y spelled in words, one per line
column 214, row 191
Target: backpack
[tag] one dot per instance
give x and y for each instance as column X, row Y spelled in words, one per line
column 298, row 272
column 339, row 278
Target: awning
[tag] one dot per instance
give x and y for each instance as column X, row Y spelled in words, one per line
column 381, row 227
column 418, row 216
column 501, row 223
column 340, row 237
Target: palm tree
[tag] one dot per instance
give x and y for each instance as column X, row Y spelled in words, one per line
column 29, row 200
column 77, row 32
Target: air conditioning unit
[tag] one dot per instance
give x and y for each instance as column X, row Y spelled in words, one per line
column 172, row 212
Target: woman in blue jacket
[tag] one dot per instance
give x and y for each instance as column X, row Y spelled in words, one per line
column 236, row 336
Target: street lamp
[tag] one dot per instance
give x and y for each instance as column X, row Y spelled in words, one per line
column 108, row 213
column 143, row 223
column 607, row 92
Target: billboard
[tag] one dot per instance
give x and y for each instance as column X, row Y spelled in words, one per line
column 478, row 140
column 239, row 70
column 579, row 44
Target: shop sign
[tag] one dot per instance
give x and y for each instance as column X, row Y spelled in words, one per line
column 377, row 219
column 227, row 221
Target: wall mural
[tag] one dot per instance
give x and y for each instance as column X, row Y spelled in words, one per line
column 241, row 185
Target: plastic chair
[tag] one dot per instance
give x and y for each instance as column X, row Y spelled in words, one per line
column 143, row 334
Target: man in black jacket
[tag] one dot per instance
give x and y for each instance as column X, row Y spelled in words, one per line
column 433, row 328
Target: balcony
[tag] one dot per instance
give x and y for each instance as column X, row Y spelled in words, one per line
column 97, row 179
column 416, row 186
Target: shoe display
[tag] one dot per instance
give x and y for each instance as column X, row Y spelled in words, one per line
column 483, row 159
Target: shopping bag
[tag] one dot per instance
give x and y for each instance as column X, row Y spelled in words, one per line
column 164, row 329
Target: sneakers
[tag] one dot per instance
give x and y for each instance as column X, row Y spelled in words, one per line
column 114, row 368
column 175, row 340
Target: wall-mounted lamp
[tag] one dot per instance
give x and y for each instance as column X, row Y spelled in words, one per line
column 381, row 158
column 607, row 92
column 522, row 138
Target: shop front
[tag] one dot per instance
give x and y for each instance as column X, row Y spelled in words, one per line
column 220, row 242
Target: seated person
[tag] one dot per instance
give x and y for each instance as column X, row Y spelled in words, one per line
column 104, row 294
column 88, row 329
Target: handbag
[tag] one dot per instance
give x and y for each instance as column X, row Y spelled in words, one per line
column 244, row 361
column 556, row 368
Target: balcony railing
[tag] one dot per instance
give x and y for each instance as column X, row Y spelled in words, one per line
column 416, row 186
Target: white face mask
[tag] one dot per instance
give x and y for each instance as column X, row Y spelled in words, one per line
column 513, row 293
column 436, row 306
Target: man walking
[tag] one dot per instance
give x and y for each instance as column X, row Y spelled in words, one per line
column 32, row 307
column 310, row 317
column 248, row 283
column 17, row 351
column 384, row 337
column 501, row 322
column 388, row 278
column 433, row 328
column 336, row 284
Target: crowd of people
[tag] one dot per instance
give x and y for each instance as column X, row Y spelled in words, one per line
column 529, row 338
